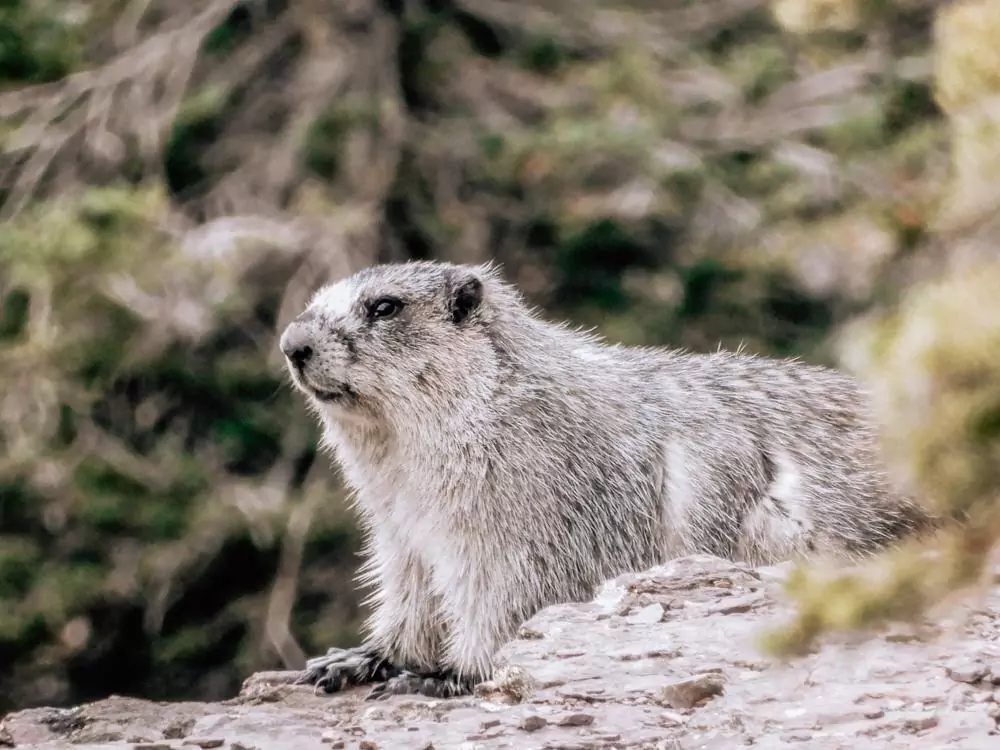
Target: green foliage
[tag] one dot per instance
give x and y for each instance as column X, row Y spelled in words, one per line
column 39, row 42
column 196, row 126
column 542, row 54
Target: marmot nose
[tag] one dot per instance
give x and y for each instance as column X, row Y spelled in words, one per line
column 295, row 344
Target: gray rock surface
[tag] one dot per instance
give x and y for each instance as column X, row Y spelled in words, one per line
column 662, row 659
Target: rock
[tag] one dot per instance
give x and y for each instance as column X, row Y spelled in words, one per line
column 740, row 605
column 692, row 691
column 920, row 724
column 966, row 670
column 646, row 615
column 179, row 730
column 207, row 744
column 510, row 684
column 576, row 720
column 661, row 659
column 532, row 723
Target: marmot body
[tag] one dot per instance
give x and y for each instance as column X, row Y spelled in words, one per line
column 502, row 463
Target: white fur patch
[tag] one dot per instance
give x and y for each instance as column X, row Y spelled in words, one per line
column 680, row 498
column 787, row 480
column 334, row 300
column 776, row 533
column 677, row 475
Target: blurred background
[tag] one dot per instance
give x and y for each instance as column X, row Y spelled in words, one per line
column 176, row 178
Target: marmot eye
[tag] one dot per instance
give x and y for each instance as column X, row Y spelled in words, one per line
column 385, row 307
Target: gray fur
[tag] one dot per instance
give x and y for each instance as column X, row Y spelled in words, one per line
column 501, row 463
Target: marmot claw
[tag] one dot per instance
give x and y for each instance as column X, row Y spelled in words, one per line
column 444, row 684
column 344, row 667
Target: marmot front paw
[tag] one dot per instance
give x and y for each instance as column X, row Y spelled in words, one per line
column 344, row 667
column 443, row 684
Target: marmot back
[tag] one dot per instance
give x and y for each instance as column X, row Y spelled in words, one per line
column 501, row 463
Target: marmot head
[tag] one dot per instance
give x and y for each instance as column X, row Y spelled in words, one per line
column 407, row 336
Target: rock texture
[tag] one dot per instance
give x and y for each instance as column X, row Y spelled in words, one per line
column 661, row 659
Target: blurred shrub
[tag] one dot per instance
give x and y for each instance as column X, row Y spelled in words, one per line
column 934, row 374
column 140, row 398
column 40, row 40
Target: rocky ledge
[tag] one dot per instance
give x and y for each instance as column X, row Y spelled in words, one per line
column 661, row 659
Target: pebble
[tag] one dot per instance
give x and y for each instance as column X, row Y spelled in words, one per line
column 968, row 671
column 738, row 606
column 576, row 720
column 920, row 724
column 689, row 692
column 205, row 743
column 796, row 737
column 532, row 723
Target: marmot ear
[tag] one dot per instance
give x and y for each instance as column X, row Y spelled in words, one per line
column 466, row 296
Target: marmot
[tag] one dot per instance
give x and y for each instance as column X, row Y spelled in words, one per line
column 502, row 463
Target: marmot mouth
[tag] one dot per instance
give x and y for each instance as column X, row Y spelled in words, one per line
column 340, row 392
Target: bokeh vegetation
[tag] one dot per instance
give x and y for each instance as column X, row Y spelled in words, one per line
column 931, row 362
column 176, row 178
